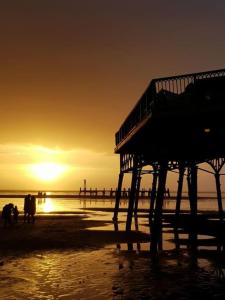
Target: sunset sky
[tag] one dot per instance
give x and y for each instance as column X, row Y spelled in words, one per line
column 72, row 70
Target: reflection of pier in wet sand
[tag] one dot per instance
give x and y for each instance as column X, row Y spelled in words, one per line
column 186, row 246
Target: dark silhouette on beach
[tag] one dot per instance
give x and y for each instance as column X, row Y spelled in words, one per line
column 32, row 208
column 26, row 208
column 15, row 214
column 7, row 214
column 29, row 208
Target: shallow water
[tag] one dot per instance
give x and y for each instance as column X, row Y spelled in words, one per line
column 75, row 205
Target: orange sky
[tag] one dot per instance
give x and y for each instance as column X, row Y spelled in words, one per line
column 72, row 70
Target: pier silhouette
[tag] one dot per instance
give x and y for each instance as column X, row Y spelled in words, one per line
column 177, row 124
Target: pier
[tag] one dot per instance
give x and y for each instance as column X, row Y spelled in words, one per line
column 87, row 193
column 177, row 125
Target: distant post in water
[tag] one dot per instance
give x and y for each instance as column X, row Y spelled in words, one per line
column 85, row 186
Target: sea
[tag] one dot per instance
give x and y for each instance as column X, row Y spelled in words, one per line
column 207, row 202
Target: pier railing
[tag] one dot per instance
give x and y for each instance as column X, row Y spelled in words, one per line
column 175, row 85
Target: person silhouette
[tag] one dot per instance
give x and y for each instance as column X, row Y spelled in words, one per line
column 15, row 214
column 26, row 208
column 32, row 208
column 7, row 214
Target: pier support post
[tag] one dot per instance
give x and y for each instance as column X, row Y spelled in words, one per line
column 219, row 196
column 157, row 223
column 116, row 228
column 136, row 229
column 192, row 189
column 193, row 198
column 118, row 196
column 153, row 194
column 132, row 196
column 179, row 190
column 217, row 165
column 137, row 194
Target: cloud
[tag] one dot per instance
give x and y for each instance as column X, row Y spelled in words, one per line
column 20, row 154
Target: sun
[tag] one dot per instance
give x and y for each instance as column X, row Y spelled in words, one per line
column 48, row 171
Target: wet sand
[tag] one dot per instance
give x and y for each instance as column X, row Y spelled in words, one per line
column 80, row 256
column 64, row 232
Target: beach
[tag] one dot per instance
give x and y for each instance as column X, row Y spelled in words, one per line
column 83, row 255
column 74, row 231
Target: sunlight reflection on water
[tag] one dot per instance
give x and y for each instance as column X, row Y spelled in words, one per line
column 73, row 205
column 48, row 206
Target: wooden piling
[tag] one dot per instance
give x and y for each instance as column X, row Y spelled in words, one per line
column 118, row 196
column 179, row 190
column 153, row 194
column 132, row 196
column 219, row 196
column 157, row 222
column 192, row 189
column 137, row 193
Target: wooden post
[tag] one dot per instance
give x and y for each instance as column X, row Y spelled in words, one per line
column 193, row 197
column 118, row 196
column 193, row 194
column 130, row 246
column 116, row 228
column 157, row 223
column 179, row 190
column 132, row 196
column 219, row 196
column 136, row 229
column 153, row 194
column 137, row 194
column 85, row 186
column 176, row 238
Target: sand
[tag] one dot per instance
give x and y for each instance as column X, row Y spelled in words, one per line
column 80, row 256
column 62, row 232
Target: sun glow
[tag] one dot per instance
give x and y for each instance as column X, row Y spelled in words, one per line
column 48, row 171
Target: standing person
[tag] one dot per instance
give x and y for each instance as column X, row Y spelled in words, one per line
column 26, row 208
column 15, row 214
column 32, row 209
